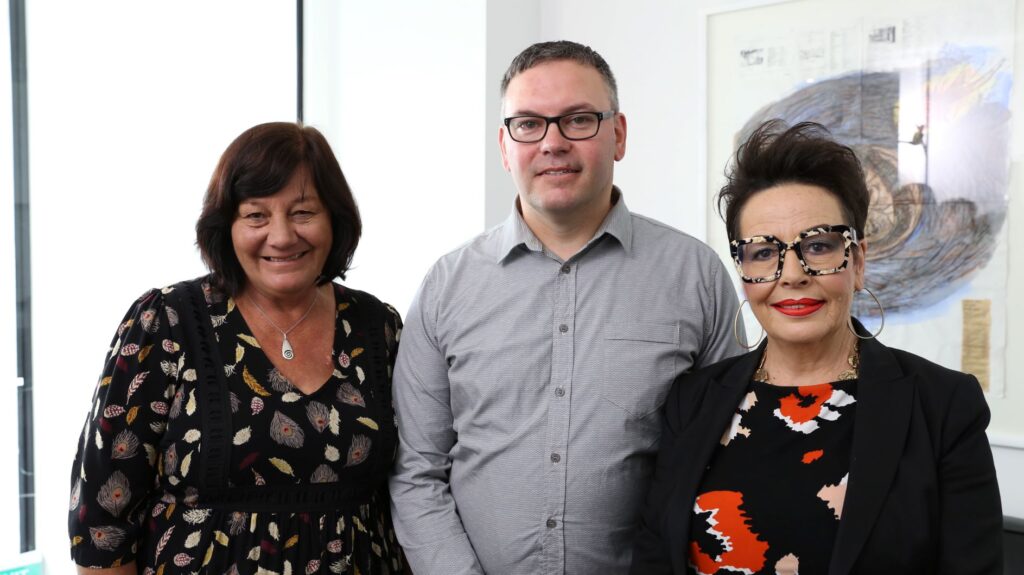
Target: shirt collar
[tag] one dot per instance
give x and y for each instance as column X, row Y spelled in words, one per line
column 514, row 231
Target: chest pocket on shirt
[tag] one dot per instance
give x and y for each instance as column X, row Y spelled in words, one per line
column 639, row 365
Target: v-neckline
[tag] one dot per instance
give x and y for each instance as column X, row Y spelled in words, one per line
column 246, row 329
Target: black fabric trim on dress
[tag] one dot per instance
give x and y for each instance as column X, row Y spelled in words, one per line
column 214, row 405
column 292, row 499
column 378, row 365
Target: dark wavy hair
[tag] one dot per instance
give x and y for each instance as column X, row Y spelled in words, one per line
column 259, row 163
column 805, row 153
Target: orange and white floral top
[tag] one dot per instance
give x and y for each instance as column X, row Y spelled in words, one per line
column 771, row 499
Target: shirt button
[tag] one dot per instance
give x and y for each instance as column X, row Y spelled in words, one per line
column 551, row 524
column 566, row 269
column 563, row 328
column 555, row 458
column 559, row 392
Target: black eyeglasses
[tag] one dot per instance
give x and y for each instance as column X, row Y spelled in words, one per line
column 575, row 126
column 822, row 251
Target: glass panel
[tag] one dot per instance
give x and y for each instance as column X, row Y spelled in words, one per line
column 131, row 104
column 10, row 539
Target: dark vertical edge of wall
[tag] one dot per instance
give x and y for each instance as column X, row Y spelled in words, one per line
column 300, row 79
column 23, row 270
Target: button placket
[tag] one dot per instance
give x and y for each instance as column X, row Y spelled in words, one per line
column 562, row 358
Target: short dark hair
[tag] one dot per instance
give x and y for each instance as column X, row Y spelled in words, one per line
column 542, row 52
column 259, row 163
column 803, row 154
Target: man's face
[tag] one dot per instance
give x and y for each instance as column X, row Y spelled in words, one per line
column 556, row 177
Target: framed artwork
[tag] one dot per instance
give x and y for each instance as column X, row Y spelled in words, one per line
column 921, row 92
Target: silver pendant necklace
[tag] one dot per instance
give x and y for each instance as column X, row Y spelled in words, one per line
column 286, row 346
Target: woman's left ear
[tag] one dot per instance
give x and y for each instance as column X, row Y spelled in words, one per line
column 859, row 258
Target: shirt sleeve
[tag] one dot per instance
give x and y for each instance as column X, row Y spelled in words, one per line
column 971, row 517
column 426, row 519
column 720, row 310
column 116, row 465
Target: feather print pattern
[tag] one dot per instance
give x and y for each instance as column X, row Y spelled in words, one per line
column 145, row 431
column 253, row 384
column 350, row 395
column 163, row 542
column 358, row 451
column 171, row 460
column 278, row 381
column 323, row 474
column 176, row 404
column 318, row 414
column 76, row 493
column 285, row 431
column 115, row 494
column 172, row 316
column 150, row 320
column 107, row 537
column 125, row 445
column 136, row 382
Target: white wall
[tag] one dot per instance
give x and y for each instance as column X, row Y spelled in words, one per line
column 130, row 106
column 655, row 49
column 511, row 26
column 398, row 89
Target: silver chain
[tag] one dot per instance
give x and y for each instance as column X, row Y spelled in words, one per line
column 286, row 347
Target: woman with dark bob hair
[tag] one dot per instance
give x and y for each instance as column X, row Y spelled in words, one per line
column 822, row 450
column 243, row 420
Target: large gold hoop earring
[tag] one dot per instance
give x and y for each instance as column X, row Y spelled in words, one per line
column 736, row 328
column 881, row 313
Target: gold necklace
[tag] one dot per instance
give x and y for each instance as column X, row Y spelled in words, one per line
column 761, row 374
column 286, row 346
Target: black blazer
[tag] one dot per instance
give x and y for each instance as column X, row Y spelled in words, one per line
column 921, row 496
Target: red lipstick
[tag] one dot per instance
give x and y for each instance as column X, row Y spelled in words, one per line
column 798, row 307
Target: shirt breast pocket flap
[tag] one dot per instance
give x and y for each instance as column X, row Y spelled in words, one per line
column 639, row 365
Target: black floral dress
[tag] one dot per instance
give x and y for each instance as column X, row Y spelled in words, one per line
column 303, row 477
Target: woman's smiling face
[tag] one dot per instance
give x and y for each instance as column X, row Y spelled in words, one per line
column 797, row 308
column 282, row 241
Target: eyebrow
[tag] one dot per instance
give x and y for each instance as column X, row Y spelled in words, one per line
column 301, row 199
column 582, row 107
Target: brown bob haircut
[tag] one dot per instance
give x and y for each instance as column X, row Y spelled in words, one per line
column 259, row 163
column 803, row 154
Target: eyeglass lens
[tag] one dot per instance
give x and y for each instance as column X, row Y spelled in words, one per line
column 573, row 127
column 821, row 252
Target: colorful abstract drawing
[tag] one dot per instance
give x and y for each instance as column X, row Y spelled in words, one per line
column 935, row 145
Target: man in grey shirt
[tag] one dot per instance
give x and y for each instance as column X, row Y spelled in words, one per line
column 535, row 359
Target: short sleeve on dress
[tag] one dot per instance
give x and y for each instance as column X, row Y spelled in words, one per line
column 116, row 464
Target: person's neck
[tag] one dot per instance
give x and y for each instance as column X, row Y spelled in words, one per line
column 289, row 306
column 565, row 234
column 822, row 361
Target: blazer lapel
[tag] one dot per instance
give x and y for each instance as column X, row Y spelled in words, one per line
column 697, row 444
column 884, row 402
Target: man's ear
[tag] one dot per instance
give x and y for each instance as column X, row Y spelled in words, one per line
column 501, row 145
column 619, row 121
